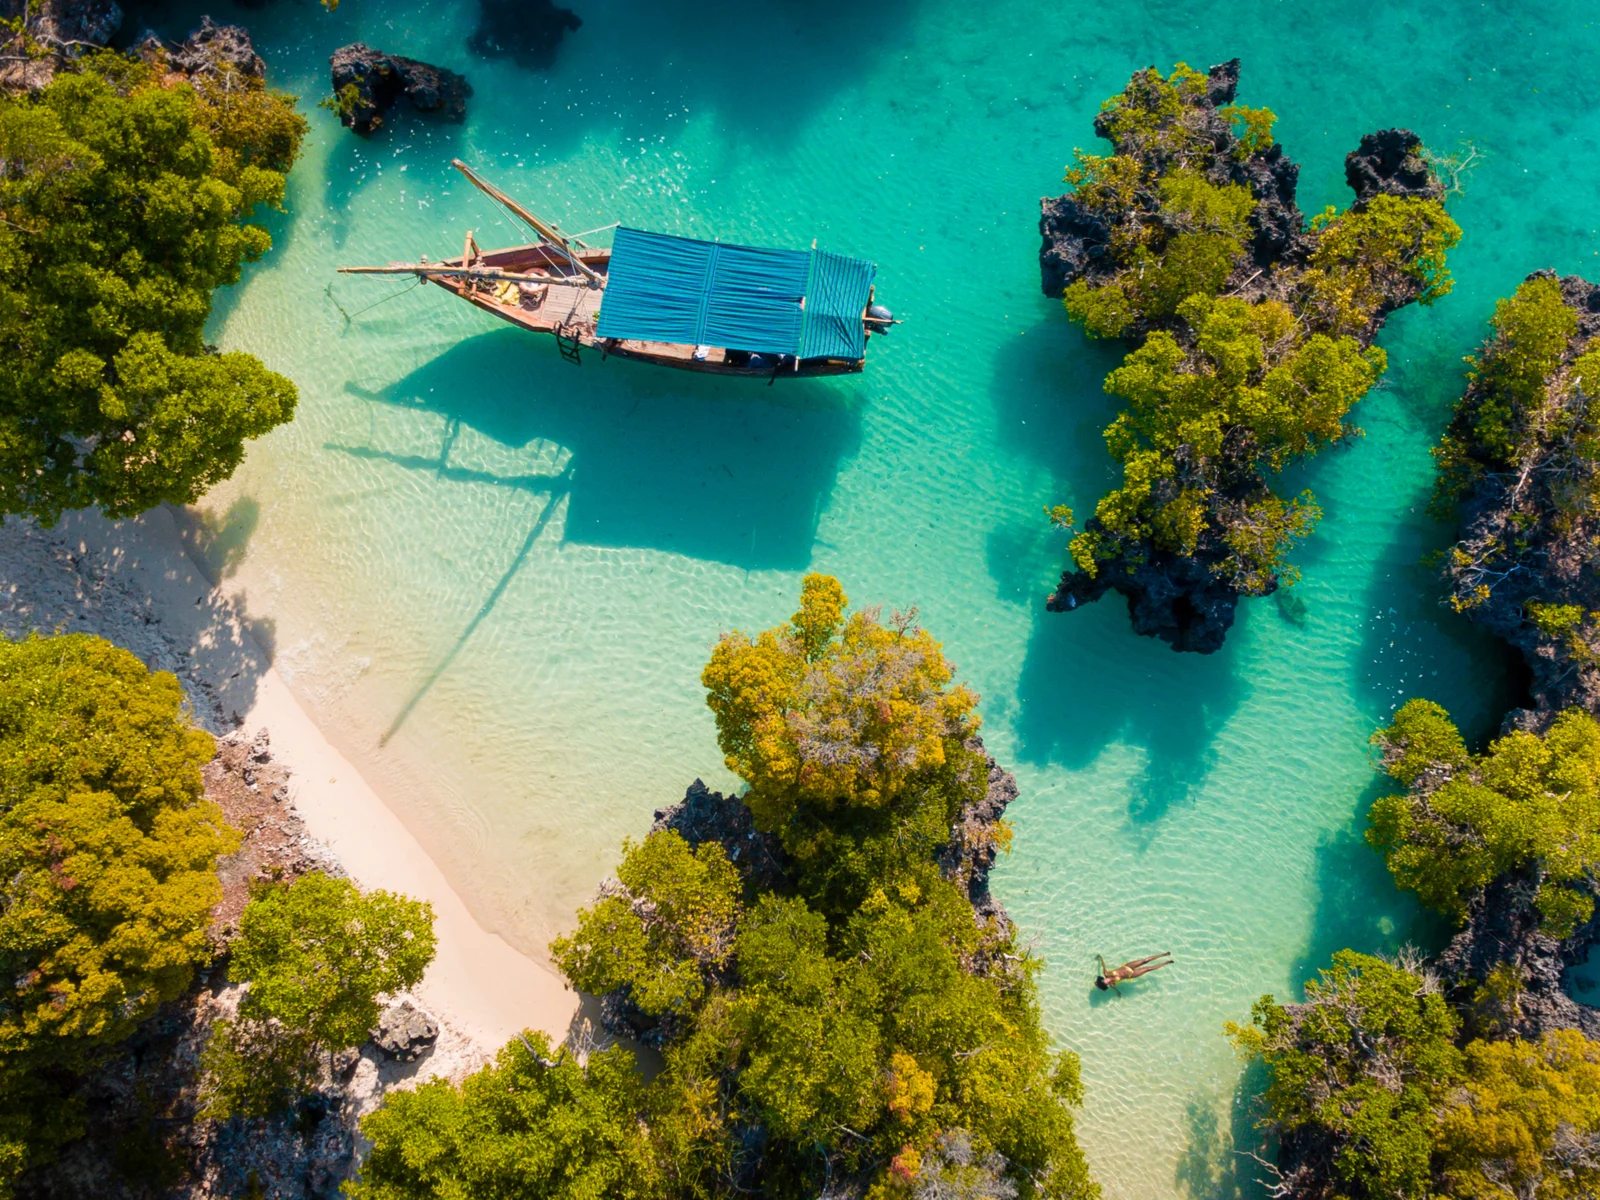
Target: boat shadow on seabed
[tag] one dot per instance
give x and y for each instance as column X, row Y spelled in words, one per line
column 623, row 455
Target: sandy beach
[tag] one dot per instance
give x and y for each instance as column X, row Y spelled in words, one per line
column 134, row 583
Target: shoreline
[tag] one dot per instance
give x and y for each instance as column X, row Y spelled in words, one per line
column 134, row 583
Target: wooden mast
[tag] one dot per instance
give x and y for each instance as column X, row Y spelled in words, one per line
column 429, row 269
column 545, row 230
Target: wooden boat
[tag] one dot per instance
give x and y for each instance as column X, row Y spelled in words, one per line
column 714, row 307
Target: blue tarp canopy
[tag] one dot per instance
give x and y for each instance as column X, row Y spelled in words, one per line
column 661, row 288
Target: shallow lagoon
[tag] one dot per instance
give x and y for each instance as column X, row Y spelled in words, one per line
column 494, row 577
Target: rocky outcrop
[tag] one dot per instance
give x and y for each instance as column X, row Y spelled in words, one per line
column 706, row 816
column 1503, row 930
column 1075, row 239
column 1189, row 600
column 527, row 31
column 1391, row 163
column 367, row 83
column 1514, row 547
column 404, row 1032
column 208, row 52
column 1177, row 599
column 52, row 34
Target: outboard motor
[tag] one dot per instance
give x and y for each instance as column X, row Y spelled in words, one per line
column 880, row 317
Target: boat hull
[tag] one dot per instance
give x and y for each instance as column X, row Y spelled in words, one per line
column 566, row 307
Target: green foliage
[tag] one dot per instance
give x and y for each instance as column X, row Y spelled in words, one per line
column 109, row 852
column 1103, row 312
column 318, row 952
column 1392, row 246
column 1246, row 388
column 1528, row 801
column 1553, row 620
column 536, row 1123
column 1532, row 330
column 1226, row 388
column 1516, row 408
column 121, row 202
column 1155, row 116
column 1252, row 126
column 836, row 1028
column 1370, row 1063
column 1366, row 1060
column 658, row 935
column 851, row 739
column 107, row 845
column 1524, row 1107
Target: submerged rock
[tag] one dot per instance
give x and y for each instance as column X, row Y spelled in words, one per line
column 367, row 83
column 527, row 31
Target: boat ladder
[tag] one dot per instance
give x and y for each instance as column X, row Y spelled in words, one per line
column 569, row 345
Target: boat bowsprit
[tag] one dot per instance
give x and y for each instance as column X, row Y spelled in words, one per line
column 715, row 307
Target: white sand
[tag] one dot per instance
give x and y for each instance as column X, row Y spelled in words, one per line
column 133, row 582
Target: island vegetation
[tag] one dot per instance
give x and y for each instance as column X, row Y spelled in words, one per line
column 111, row 852
column 125, row 188
column 839, row 1005
column 1253, row 335
column 1520, row 463
column 1475, row 1074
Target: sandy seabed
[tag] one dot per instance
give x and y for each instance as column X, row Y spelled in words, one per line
column 133, row 583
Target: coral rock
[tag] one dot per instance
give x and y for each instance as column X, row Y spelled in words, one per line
column 404, row 1032
column 1390, row 162
column 379, row 80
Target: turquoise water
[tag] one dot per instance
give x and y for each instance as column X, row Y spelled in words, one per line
column 494, row 577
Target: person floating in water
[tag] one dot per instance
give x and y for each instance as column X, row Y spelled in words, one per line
column 1129, row 970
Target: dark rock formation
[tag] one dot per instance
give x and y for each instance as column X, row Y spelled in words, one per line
column 404, row 1032
column 706, row 816
column 1503, row 930
column 367, row 83
column 1178, row 600
column 207, row 52
column 526, row 31
column 1517, row 508
column 1073, row 240
column 1390, row 163
column 53, row 33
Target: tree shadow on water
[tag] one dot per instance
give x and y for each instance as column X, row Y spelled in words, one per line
column 1089, row 681
column 724, row 470
column 1414, row 646
column 1358, row 906
column 1216, row 1162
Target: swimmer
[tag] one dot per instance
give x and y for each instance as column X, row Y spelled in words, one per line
column 1129, row 970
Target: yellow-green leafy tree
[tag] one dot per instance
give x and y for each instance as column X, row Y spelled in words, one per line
column 109, row 852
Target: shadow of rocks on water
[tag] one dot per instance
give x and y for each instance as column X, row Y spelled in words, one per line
column 1358, row 906
column 723, row 470
column 1215, row 1163
column 527, row 31
column 1088, row 681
